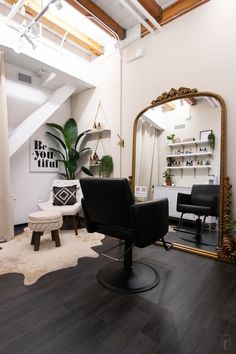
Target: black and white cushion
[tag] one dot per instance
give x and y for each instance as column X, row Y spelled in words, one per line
column 64, row 195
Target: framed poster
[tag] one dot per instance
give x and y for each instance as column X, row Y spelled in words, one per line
column 42, row 159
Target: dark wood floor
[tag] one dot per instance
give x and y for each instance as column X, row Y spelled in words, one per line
column 193, row 310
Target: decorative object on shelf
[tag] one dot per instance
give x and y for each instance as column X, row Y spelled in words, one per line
column 106, row 166
column 188, row 139
column 170, row 161
column 168, row 177
column 212, row 140
column 97, row 125
column 171, row 137
column 204, row 135
column 68, row 141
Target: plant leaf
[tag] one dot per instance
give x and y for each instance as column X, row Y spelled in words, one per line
column 58, row 139
column 73, row 154
column 56, row 126
column 80, row 136
column 86, row 171
column 58, row 152
column 70, row 132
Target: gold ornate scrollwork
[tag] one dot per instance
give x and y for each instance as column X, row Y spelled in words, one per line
column 227, row 250
column 173, row 93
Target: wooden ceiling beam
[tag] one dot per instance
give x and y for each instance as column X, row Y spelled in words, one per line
column 61, row 27
column 175, row 10
column 95, row 11
column 152, row 7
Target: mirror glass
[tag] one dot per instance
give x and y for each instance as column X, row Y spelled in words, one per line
column 178, row 145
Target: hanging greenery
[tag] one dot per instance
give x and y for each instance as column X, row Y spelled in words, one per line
column 106, row 166
column 68, row 140
column 212, row 140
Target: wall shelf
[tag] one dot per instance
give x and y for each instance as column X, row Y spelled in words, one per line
column 207, row 153
column 190, row 155
column 188, row 167
column 187, row 143
column 98, row 132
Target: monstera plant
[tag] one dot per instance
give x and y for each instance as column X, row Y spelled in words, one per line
column 68, row 141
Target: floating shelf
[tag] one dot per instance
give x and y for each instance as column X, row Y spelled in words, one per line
column 188, row 167
column 186, row 143
column 207, row 153
column 97, row 132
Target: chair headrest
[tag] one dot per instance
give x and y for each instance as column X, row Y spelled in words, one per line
column 107, row 200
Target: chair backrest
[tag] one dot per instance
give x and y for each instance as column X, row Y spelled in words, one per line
column 108, row 200
column 205, row 194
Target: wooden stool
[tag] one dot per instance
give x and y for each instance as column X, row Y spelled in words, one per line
column 45, row 221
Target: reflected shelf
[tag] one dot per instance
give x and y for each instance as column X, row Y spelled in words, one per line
column 186, row 143
column 207, row 153
column 187, row 167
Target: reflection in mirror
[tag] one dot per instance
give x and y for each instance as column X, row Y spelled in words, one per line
column 178, row 148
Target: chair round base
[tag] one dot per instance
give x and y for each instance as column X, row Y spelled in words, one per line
column 115, row 277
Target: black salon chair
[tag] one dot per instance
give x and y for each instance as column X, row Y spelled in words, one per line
column 203, row 202
column 109, row 208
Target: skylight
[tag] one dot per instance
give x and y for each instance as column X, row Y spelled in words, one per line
column 79, row 22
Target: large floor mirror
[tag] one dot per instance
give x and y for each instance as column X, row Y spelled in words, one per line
column 179, row 153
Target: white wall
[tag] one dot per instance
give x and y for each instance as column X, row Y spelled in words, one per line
column 195, row 50
column 22, row 99
column 85, row 104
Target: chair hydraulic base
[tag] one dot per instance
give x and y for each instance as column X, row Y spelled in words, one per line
column 114, row 276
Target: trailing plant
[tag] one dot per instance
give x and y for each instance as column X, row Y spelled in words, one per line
column 212, row 140
column 106, row 166
column 68, row 139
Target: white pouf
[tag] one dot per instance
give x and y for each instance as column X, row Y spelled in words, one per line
column 45, row 221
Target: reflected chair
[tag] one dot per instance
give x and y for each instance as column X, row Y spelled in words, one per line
column 109, row 208
column 203, row 201
column 68, row 198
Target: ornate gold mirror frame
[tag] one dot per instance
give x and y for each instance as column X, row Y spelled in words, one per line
column 226, row 250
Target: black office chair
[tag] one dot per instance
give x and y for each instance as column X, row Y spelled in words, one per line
column 109, row 208
column 203, row 201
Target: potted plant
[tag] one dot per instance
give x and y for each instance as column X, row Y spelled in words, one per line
column 106, row 166
column 168, row 177
column 171, row 137
column 68, row 139
column 170, row 160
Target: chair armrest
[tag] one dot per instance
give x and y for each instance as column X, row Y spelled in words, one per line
column 149, row 221
column 183, row 198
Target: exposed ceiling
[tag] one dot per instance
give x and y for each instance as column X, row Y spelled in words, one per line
column 115, row 17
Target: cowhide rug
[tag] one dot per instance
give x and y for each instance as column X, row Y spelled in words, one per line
column 18, row 255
